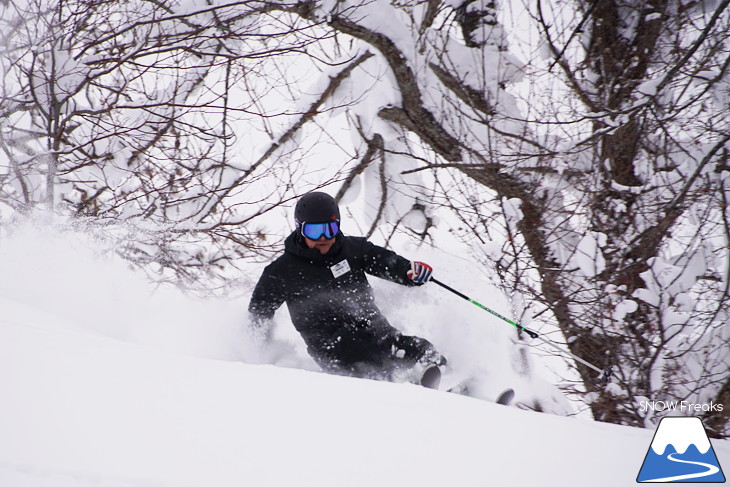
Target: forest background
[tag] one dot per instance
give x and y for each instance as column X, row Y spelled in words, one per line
column 577, row 150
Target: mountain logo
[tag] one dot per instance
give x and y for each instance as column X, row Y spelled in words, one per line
column 681, row 452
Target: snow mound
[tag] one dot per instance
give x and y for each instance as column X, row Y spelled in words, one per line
column 82, row 410
column 106, row 382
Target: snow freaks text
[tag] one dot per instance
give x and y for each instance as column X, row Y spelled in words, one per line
column 679, row 406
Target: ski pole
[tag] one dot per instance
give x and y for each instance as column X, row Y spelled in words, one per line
column 605, row 373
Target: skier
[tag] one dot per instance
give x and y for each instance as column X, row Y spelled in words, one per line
column 321, row 276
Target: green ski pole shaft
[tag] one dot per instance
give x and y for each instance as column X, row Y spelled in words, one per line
column 606, row 373
column 488, row 310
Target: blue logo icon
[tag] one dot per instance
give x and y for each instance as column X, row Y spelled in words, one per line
column 681, row 452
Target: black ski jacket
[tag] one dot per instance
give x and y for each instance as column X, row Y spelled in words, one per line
column 328, row 295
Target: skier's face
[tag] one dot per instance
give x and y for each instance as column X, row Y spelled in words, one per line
column 322, row 244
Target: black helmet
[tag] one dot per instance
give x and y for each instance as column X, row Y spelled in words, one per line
column 316, row 207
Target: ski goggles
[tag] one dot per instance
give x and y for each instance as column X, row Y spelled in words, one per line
column 314, row 231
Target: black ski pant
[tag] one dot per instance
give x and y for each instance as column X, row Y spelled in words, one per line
column 372, row 352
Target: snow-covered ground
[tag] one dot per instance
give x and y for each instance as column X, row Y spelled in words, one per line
column 107, row 381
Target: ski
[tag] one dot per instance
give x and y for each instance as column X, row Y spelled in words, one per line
column 431, row 377
column 505, row 397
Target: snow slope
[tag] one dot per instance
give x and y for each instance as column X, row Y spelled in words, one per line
column 87, row 399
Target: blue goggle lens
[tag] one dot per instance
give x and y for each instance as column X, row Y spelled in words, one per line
column 314, row 231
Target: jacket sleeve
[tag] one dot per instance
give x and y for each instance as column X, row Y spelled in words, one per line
column 267, row 297
column 386, row 264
